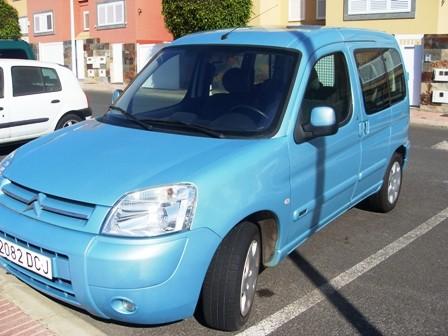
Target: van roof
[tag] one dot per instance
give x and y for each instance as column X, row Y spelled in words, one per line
column 21, row 45
column 295, row 38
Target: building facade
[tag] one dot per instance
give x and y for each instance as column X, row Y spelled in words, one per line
column 412, row 22
column 113, row 38
column 288, row 12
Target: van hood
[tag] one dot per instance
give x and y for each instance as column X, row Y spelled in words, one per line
column 98, row 163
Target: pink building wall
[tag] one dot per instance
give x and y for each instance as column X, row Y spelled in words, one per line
column 144, row 21
column 61, row 19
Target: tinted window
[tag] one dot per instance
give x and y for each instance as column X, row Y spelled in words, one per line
column 395, row 74
column 27, row 81
column 51, row 80
column 13, row 53
column 34, row 80
column 1, row 83
column 374, row 81
column 328, row 85
column 382, row 78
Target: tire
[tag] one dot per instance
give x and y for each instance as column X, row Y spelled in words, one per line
column 224, row 305
column 387, row 197
column 68, row 120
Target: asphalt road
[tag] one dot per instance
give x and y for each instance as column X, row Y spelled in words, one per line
column 404, row 294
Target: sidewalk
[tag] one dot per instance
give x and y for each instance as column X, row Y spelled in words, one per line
column 92, row 85
column 429, row 118
column 24, row 312
column 14, row 322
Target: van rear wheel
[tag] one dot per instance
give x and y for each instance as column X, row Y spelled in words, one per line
column 387, row 197
column 229, row 286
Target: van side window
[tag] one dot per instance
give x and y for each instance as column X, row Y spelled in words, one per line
column 51, row 80
column 1, row 83
column 27, row 80
column 382, row 78
column 395, row 73
column 328, row 85
column 372, row 73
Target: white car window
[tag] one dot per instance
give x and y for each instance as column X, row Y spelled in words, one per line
column 51, row 80
column 27, row 80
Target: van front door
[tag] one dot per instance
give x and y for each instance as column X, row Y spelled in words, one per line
column 324, row 170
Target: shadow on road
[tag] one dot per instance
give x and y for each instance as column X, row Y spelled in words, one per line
column 347, row 310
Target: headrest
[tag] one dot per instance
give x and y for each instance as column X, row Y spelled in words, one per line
column 234, row 81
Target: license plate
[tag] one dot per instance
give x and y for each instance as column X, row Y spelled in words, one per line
column 30, row 260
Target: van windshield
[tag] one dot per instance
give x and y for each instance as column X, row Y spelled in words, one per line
column 229, row 91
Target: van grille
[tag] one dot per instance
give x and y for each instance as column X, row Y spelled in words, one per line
column 47, row 208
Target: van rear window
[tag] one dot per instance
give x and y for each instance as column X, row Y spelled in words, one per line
column 382, row 78
column 13, row 53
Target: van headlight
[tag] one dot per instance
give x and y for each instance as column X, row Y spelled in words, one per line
column 153, row 212
column 6, row 162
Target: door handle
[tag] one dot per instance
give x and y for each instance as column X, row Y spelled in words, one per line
column 364, row 128
column 55, row 101
column 1, row 108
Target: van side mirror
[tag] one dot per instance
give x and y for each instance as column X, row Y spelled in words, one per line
column 322, row 122
column 117, row 93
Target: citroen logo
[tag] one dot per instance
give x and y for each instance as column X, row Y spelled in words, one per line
column 35, row 204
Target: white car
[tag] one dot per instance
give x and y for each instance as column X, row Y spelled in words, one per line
column 37, row 98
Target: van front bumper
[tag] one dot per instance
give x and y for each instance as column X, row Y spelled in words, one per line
column 141, row 281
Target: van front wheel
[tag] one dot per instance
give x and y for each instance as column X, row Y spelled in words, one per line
column 387, row 197
column 229, row 287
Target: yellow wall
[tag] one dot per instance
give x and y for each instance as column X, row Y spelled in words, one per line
column 428, row 19
column 278, row 16
column 20, row 5
column 443, row 19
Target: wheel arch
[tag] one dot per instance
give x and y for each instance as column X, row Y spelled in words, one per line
column 268, row 225
column 403, row 151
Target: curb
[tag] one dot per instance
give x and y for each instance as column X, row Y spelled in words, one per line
column 52, row 317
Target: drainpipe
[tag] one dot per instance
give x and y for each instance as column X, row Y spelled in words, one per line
column 72, row 34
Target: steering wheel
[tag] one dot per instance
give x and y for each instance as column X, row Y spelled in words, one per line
column 253, row 109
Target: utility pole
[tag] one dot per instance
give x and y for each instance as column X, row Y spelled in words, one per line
column 72, row 34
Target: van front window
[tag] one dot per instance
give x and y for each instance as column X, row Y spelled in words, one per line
column 230, row 91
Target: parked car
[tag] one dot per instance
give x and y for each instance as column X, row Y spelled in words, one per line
column 18, row 49
column 226, row 153
column 37, row 98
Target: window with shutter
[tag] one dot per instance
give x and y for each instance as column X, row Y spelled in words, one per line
column 43, row 23
column 320, row 9
column 378, row 6
column 110, row 14
column 296, row 10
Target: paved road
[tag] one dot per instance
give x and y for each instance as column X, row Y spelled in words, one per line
column 405, row 294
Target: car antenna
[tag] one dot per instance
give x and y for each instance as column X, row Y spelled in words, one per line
column 224, row 36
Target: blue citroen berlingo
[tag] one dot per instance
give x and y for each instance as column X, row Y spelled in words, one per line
column 224, row 154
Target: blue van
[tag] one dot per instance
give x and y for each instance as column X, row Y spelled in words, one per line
column 224, row 155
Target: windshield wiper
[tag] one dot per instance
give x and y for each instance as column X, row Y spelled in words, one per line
column 131, row 117
column 184, row 125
